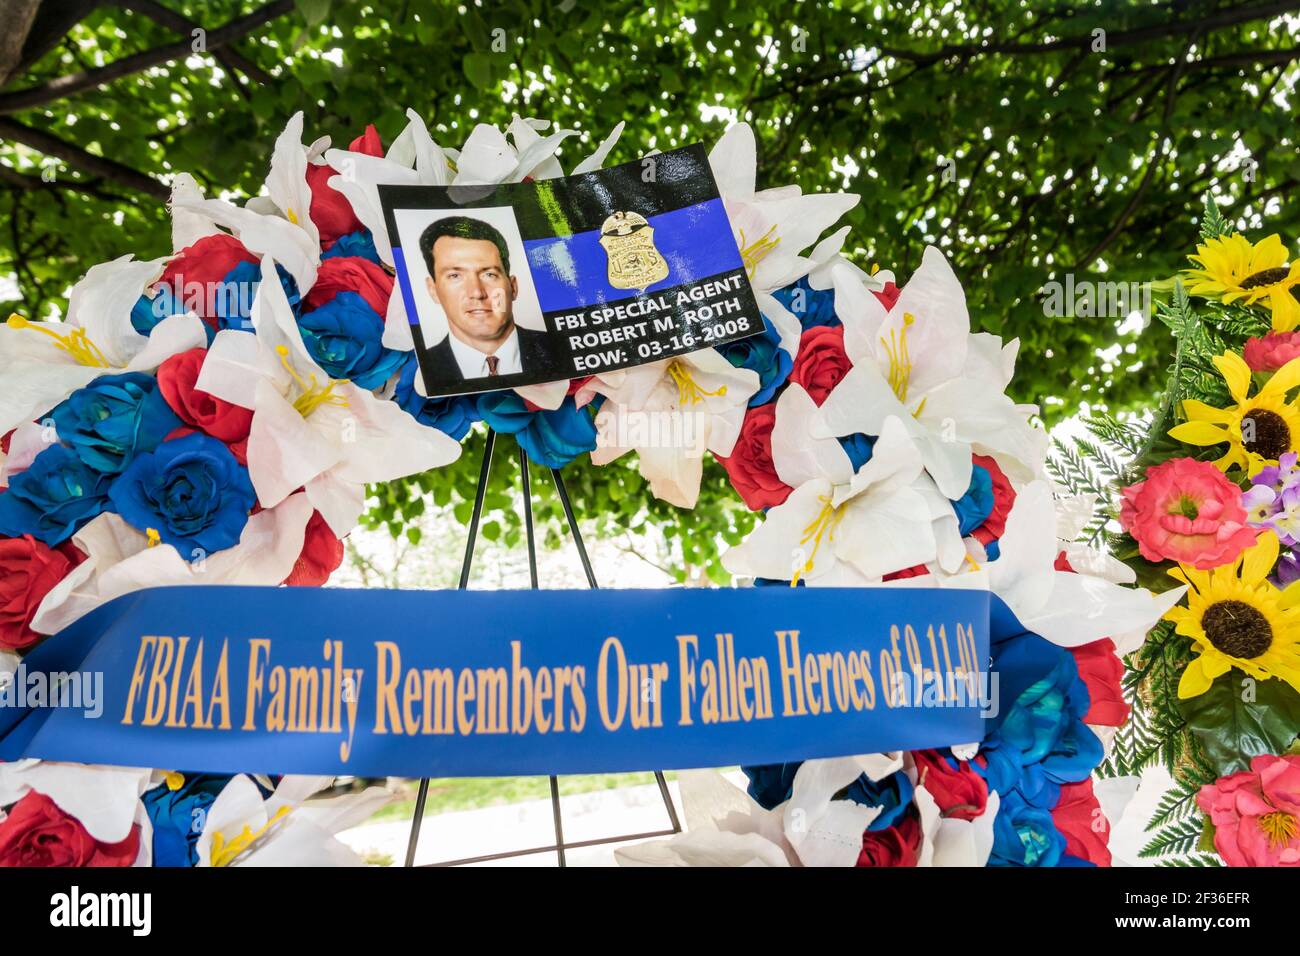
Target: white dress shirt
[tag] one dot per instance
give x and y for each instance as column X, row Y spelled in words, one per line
column 473, row 363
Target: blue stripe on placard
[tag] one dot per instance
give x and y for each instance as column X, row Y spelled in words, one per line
column 572, row 272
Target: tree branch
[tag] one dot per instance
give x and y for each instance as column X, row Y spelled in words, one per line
column 76, row 82
column 1159, row 31
column 231, row 58
column 76, row 156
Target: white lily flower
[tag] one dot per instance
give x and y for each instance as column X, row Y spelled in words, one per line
column 328, row 436
column 286, row 184
column 844, row 528
column 42, row 363
column 725, row 827
column 106, row 800
column 242, row 828
column 120, row 560
column 917, row 363
column 669, row 412
column 260, row 225
column 773, row 227
column 1069, row 609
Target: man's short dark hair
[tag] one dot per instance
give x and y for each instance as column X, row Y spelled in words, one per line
column 462, row 227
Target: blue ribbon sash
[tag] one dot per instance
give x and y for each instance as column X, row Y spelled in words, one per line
column 465, row 683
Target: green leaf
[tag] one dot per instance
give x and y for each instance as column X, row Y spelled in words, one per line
column 478, row 69
column 313, row 11
column 1231, row 730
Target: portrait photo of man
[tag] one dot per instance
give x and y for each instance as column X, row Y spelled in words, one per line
column 470, row 278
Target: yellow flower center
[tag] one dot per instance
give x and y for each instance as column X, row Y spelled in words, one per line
column 174, row 780
column 821, row 527
column 76, row 343
column 314, row 395
column 689, row 391
column 224, row 853
column 755, row 252
column 899, row 375
column 1279, row 826
column 154, row 537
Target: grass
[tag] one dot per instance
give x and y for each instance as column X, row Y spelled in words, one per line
column 447, row 795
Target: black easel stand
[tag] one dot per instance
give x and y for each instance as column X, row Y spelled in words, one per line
column 560, row 845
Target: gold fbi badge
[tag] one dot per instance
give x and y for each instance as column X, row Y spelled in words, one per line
column 629, row 241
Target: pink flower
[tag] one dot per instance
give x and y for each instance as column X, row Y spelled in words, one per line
column 1256, row 813
column 1187, row 511
column 1272, row 351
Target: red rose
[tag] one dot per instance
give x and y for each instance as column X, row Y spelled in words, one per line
column 193, row 273
column 28, row 572
column 368, row 142
column 209, row 414
column 351, row 274
column 749, row 466
column 38, row 833
column 821, row 361
column 1102, row 671
column 888, row 295
column 1004, row 496
column 330, row 209
column 960, row 792
column 1272, row 351
column 321, row 554
column 896, row 846
column 1079, row 818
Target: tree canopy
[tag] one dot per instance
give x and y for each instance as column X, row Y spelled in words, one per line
column 1028, row 139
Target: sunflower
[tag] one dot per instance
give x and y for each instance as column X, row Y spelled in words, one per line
column 1232, row 269
column 1236, row 617
column 1259, row 429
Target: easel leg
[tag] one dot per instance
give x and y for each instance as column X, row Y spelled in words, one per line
column 591, row 582
column 423, row 793
column 532, row 577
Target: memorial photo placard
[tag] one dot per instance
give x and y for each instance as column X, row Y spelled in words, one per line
column 521, row 283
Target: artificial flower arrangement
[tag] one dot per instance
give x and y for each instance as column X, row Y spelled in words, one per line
column 214, row 417
column 1209, row 502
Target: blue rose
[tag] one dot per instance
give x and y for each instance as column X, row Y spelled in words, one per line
column 453, row 415
column 810, row 306
column 771, row 784
column 53, row 498
column 1025, row 835
column 345, row 336
column 360, row 243
column 858, row 447
column 893, row 795
column 974, row 507
column 762, row 354
column 233, row 298
column 148, row 311
column 191, row 491
column 178, row 816
column 550, row 438
column 113, row 418
column 1039, row 741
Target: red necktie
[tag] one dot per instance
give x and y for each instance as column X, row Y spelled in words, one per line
column 492, row 361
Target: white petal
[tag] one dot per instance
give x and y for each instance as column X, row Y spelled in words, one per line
column 797, row 456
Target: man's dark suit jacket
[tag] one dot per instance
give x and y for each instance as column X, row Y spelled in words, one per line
column 535, row 358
